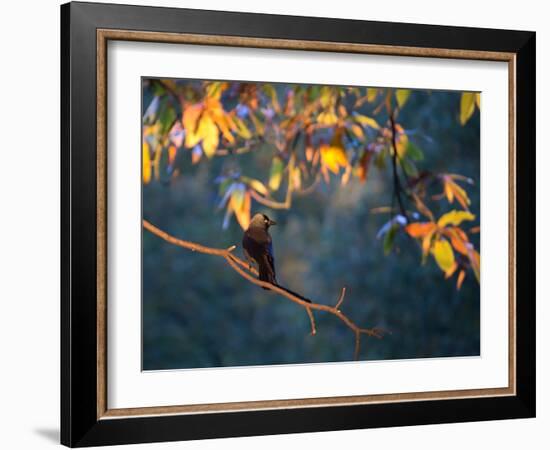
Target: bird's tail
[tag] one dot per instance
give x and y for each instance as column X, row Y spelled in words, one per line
column 292, row 293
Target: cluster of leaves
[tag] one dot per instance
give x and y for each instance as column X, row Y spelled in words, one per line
column 312, row 135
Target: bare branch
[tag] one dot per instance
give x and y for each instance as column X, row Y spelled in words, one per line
column 312, row 321
column 250, row 274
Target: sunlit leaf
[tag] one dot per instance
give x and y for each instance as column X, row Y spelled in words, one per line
column 240, row 203
column 402, row 143
column 475, row 263
column 452, row 190
column 372, row 93
column 455, row 218
column 443, row 254
column 190, row 123
column 209, row 134
column 357, row 131
column 146, row 158
column 242, row 129
column 367, row 121
column 478, row 100
column 172, row 151
column 460, row 279
column 467, row 106
column 276, row 173
column 333, row 157
column 327, row 118
column 402, row 95
column 257, row 185
column 459, row 239
column 420, row 229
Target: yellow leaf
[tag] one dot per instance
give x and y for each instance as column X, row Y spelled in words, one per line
column 475, row 263
column 189, row 121
column 327, row 118
column 372, row 93
column 478, row 100
column 242, row 130
column 358, row 131
column 402, row 144
column 221, row 119
column 454, row 218
column 276, row 174
column 333, row 157
column 402, row 95
column 209, row 134
column 367, row 121
column 443, row 255
column 427, row 243
column 257, row 185
column 146, row 163
column 467, row 106
column 240, row 203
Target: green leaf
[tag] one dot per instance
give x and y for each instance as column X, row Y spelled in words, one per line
column 167, row 117
column 409, row 167
column 402, row 95
column 276, row 173
column 389, row 237
column 414, row 152
column 367, row 121
column 467, row 106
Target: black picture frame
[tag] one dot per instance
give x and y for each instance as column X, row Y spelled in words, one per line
column 80, row 424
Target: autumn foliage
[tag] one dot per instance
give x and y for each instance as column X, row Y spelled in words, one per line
column 313, row 135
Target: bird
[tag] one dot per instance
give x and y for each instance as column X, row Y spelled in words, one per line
column 258, row 249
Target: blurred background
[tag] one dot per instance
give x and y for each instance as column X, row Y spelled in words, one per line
column 198, row 312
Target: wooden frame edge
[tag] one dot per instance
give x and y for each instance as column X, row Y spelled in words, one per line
column 103, row 36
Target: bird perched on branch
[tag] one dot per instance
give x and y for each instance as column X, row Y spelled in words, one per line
column 258, row 248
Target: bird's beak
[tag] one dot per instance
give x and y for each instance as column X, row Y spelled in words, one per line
column 272, row 222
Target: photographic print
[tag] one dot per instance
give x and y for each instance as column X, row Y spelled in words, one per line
column 295, row 224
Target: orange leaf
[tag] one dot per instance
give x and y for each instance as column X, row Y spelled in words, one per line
column 172, row 151
column 420, row 229
column 460, row 279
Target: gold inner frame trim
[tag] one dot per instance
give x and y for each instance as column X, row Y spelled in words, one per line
column 103, row 36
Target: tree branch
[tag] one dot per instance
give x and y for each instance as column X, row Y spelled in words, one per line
column 250, row 274
column 396, row 182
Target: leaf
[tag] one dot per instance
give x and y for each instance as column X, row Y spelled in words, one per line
column 240, row 203
column 327, row 118
column 367, row 121
column 420, row 229
column 146, row 159
column 402, row 143
column 453, row 190
column 443, row 255
column 172, row 151
column 402, row 95
column 459, row 239
column 460, row 279
column 242, row 129
column 209, row 135
column 167, row 117
column 372, row 93
column 414, row 152
column 363, row 168
column 189, row 121
column 333, row 157
column 454, row 218
column 467, row 106
column 409, row 168
column 478, row 100
column 389, row 237
column 358, row 131
column 475, row 263
column 276, row 173
column 257, row 185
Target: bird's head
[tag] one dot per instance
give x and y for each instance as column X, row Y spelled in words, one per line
column 261, row 221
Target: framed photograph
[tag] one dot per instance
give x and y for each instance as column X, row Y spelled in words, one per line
column 277, row 224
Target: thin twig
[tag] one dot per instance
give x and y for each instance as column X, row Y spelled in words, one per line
column 311, row 321
column 396, row 182
column 250, row 274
